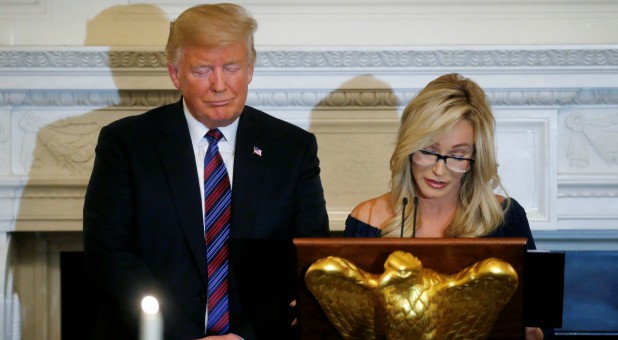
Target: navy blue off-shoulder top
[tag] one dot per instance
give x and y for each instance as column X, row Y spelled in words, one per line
column 515, row 225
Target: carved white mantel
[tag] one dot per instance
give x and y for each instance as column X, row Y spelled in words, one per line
column 556, row 109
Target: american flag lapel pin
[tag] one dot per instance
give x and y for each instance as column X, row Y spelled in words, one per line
column 257, row 151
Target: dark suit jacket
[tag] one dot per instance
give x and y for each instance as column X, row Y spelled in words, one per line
column 143, row 228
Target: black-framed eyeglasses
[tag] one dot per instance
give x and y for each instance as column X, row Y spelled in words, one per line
column 454, row 163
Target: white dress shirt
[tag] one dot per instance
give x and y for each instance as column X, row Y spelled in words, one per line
column 227, row 145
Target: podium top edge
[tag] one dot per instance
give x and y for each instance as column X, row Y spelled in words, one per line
column 356, row 241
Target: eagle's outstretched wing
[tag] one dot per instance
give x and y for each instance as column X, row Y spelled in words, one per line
column 346, row 294
column 470, row 301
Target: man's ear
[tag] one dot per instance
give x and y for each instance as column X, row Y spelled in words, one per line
column 173, row 72
column 250, row 76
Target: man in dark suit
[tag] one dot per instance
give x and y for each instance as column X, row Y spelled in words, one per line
column 145, row 210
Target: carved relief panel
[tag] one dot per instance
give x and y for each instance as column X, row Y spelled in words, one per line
column 589, row 141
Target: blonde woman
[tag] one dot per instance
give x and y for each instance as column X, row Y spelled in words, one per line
column 444, row 172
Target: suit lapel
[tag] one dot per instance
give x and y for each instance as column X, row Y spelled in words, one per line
column 178, row 160
column 249, row 169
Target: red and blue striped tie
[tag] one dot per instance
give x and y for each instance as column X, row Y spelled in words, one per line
column 217, row 203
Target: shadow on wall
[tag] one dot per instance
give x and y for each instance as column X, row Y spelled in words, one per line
column 356, row 127
column 62, row 139
column 128, row 25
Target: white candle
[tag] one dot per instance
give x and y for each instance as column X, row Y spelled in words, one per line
column 151, row 322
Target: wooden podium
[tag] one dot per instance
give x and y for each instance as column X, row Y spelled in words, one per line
column 444, row 255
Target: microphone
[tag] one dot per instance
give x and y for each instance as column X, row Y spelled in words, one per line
column 414, row 222
column 404, row 202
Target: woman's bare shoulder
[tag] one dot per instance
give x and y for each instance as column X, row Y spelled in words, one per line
column 374, row 211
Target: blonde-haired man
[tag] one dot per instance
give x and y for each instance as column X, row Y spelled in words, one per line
column 148, row 215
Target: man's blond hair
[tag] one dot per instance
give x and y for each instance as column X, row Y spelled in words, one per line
column 211, row 26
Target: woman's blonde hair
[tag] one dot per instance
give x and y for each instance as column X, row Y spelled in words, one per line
column 211, row 26
column 434, row 110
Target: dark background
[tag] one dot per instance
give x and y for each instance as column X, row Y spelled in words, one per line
column 590, row 306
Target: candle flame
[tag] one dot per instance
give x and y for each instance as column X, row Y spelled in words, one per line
column 150, row 305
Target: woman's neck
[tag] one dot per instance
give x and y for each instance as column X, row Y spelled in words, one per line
column 434, row 217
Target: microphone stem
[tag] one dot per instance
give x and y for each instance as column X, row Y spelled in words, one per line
column 414, row 221
column 404, row 202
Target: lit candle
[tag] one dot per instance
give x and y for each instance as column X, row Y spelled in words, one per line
column 151, row 322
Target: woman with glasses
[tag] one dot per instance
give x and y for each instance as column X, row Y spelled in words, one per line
column 444, row 172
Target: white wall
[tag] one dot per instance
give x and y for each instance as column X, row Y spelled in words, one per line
column 320, row 22
column 342, row 69
column 515, row 49
column 525, row 49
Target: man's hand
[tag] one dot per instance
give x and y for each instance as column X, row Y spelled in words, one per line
column 295, row 321
column 533, row 333
column 222, row 337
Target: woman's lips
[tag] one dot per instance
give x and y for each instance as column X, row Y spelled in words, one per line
column 435, row 184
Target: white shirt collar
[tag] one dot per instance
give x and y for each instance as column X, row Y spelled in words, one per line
column 197, row 130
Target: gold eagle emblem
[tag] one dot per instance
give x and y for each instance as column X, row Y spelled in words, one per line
column 408, row 301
